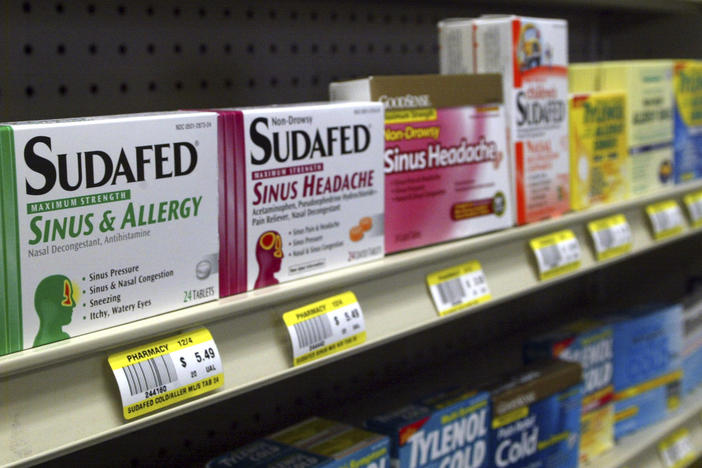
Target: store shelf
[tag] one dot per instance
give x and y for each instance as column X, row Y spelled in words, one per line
column 61, row 397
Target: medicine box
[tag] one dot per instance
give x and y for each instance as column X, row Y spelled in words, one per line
column 315, row 442
column 692, row 342
column 599, row 159
column 536, row 417
column 584, row 77
column 104, row 221
column 449, row 428
column 531, row 54
column 647, row 372
column 591, row 344
column 303, row 191
column 687, row 110
column 445, row 158
column 649, row 112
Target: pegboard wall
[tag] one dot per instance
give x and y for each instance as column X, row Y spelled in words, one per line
column 69, row 58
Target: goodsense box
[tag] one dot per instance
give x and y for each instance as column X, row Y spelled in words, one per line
column 303, row 191
column 449, row 428
column 532, row 56
column 445, row 158
column 591, row 344
column 647, row 373
column 536, row 417
column 104, row 221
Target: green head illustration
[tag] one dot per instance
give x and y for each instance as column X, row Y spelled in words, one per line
column 54, row 302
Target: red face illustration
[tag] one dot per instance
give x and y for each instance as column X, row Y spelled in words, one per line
column 269, row 255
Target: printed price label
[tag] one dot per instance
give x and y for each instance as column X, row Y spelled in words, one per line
column 325, row 327
column 611, row 236
column 556, row 254
column 666, row 219
column 677, row 450
column 693, row 201
column 459, row 287
column 160, row 374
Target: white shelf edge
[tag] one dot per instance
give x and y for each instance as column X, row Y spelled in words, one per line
column 250, row 336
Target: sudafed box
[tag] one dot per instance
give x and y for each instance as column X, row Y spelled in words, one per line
column 531, row 54
column 104, row 221
column 303, row 190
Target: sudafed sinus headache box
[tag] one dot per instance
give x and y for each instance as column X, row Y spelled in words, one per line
column 304, row 191
column 450, row 428
column 532, row 56
column 105, row 220
column 445, row 157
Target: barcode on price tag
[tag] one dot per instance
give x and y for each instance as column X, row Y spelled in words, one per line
column 556, row 253
column 159, row 374
column 459, row 287
column 611, row 236
column 693, row 201
column 325, row 327
column 677, row 450
column 666, row 219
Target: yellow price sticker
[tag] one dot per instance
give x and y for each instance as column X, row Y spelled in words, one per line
column 666, row 219
column 325, row 327
column 693, row 202
column 677, row 450
column 556, row 254
column 611, row 236
column 165, row 372
column 458, row 287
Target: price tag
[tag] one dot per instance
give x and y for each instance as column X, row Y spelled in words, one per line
column 677, row 450
column 556, row 254
column 325, row 327
column 459, row 287
column 165, row 372
column 611, row 236
column 693, row 201
column 666, row 219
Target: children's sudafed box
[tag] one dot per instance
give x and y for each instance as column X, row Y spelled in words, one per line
column 687, row 85
column 303, row 191
column 532, row 56
column 591, row 344
column 648, row 84
column 445, row 158
column 647, row 373
column 599, row 159
column 536, row 417
column 446, row 429
column 105, row 220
